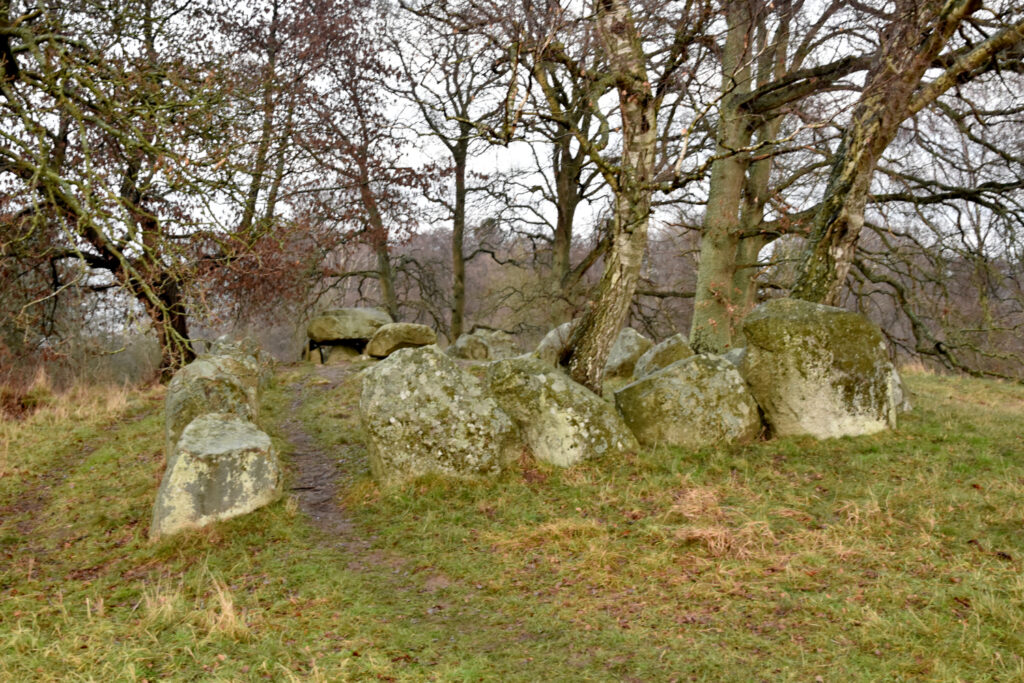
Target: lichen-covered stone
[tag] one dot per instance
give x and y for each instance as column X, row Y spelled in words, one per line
column 207, row 385
column 736, row 356
column 422, row 413
column 900, row 395
column 470, row 347
column 249, row 352
column 625, row 353
column 561, row 422
column 484, row 344
column 696, row 402
column 622, row 357
column 393, row 336
column 222, row 467
column 552, row 344
column 818, row 370
column 346, row 324
column 662, row 355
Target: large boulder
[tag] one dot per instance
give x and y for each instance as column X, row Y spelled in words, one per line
column 696, row 402
column 207, row 385
column 625, row 352
column 818, row 370
column 662, row 355
column 484, row 344
column 222, row 467
column 393, row 336
column 422, row 414
column 346, row 324
column 562, row 422
column 551, row 346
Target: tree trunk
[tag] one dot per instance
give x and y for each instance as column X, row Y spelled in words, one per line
column 379, row 243
column 459, row 155
column 714, row 308
column 597, row 330
column 885, row 102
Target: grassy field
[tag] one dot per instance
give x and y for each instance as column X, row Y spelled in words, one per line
column 891, row 557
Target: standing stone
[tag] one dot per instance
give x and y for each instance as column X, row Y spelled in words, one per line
column 484, row 344
column 423, row 414
column 562, row 422
column 818, row 370
column 347, row 324
column 222, row 467
column 696, row 402
column 393, row 336
column 206, row 385
column 470, row 347
column 625, row 353
column 662, row 355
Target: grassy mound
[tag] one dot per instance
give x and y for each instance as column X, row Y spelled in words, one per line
column 895, row 556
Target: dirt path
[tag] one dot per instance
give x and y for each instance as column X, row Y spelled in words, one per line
column 319, row 475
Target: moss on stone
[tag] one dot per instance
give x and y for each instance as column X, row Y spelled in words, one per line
column 562, row 422
column 818, row 370
column 695, row 402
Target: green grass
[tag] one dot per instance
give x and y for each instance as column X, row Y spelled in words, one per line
column 891, row 557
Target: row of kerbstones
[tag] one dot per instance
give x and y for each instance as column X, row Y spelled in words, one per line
column 424, row 413
column 807, row 370
column 219, row 463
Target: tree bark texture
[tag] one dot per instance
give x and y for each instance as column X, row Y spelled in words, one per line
column 598, row 328
column 911, row 42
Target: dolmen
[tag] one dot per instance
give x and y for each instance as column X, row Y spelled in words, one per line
column 368, row 331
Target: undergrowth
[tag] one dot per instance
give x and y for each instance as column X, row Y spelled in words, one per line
column 890, row 557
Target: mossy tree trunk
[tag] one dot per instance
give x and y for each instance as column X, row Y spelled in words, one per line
column 715, row 295
column 893, row 92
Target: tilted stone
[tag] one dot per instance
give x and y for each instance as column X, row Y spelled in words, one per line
column 562, row 422
column 393, row 336
column 818, row 370
column 662, row 354
column 553, row 343
column 222, row 467
column 207, row 385
column 696, row 402
column 736, row 356
column 422, row 414
column 625, row 353
column 346, row 324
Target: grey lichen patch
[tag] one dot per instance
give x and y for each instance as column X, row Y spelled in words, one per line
column 562, row 422
column 692, row 403
column 223, row 466
column 818, row 370
column 423, row 414
column 661, row 355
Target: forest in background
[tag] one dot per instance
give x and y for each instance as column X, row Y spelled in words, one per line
column 174, row 169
